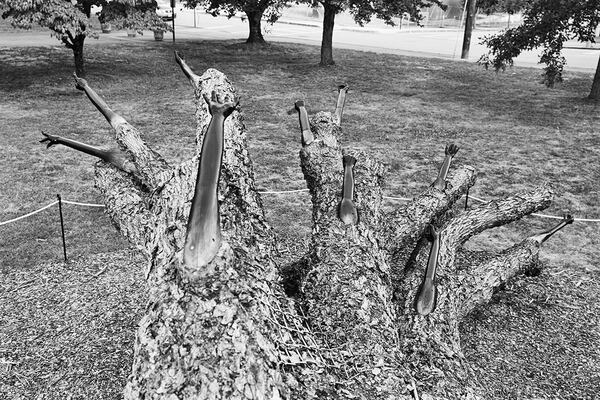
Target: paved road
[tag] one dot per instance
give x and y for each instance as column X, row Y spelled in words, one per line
column 419, row 42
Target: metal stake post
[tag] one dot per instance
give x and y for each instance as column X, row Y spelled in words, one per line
column 62, row 226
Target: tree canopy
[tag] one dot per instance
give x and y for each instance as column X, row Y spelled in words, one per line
column 547, row 24
column 255, row 11
column 69, row 20
column 502, row 6
column 362, row 11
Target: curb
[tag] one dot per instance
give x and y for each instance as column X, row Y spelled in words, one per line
column 359, row 29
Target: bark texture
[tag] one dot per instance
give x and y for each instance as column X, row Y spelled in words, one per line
column 595, row 91
column 341, row 322
column 330, row 10
column 255, row 35
column 78, row 55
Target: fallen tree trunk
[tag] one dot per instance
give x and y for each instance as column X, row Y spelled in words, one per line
column 372, row 311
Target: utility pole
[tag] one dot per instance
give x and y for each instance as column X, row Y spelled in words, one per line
column 469, row 23
column 173, row 17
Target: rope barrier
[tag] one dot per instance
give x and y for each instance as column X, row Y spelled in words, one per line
column 282, row 191
column 28, row 215
column 83, row 204
column 396, row 198
column 273, row 192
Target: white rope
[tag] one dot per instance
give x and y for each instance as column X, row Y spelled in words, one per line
column 281, row 191
column 83, row 204
column 397, row 198
column 274, row 192
column 30, row 214
column 477, row 199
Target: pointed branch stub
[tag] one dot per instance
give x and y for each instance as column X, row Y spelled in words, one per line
column 203, row 236
column 192, row 77
column 427, row 295
column 440, row 182
column 339, row 109
column 347, row 210
column 112, row 117
column 307, row 136
column 114, row 157
column 542, row 237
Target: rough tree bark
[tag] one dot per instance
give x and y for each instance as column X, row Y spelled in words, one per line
column 255, row 35
column 341, row 322
column 75, row 43
column 330, row 10
column 595, row 90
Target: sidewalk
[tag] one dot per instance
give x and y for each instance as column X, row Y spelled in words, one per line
column 423, row 42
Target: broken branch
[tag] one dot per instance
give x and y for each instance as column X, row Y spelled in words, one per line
column 477, row 283
column 427, row 294
column 440, row 182
column 406, row 223
column 193, row 78
column 114, row 157
column 203, row 237
column 150, row 165
column 339, row 109
column 496, row 213
column 347, row 210
column 306, row 135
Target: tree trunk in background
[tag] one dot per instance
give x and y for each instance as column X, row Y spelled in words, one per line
column 469, row 25
column 78, row 55
column 327, row 41
column 595, row 92
column 346, row 326
column 254, row 22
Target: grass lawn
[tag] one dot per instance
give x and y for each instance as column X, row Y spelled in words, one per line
column 66, row 330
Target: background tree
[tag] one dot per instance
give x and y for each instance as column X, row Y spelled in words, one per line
column 69, row 21
column 547, row 24
column 371, row 311
column 509, row 7
column 501, row 6
column 363, row 11
column 255, row 10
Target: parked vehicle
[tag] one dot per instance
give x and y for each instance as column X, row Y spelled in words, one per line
column 164, row 10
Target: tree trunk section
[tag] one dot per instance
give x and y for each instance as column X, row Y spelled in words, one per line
column 327, row 40
column 595, row 92
column 347, row 327
column 78, row 55
column 255, row 35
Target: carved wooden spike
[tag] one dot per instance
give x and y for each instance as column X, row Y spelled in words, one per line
column 347, row 210
column 427, row 294
column 440, row 182
column 542, row 237
column 114, row 157
column 194, row 79
column 307, row 136
column 203, row 237
column 339, row 109
column 112, row 117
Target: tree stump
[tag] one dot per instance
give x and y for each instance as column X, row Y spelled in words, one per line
column 371, row 312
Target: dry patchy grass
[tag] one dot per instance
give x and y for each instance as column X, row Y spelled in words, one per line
column 401, row 110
